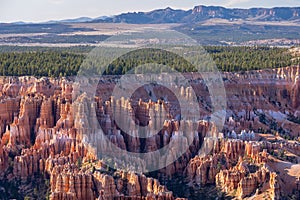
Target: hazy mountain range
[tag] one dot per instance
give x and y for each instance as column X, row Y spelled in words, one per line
column 201, row 13
column 197, row 14
column 207, row 24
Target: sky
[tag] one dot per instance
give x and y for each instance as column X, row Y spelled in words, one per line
column 45, row 10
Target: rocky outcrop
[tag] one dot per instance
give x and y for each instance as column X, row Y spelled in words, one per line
column 233, row 166
column 274, row 186
column 52, row 129
column 9, row 109
column 256, row 98
column 243, row 181
column 68, row 182
column 296, row 92
column 4, row 158
column 45, row 132
column 203, row 169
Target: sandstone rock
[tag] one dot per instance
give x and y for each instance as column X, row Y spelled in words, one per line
column 47, row 130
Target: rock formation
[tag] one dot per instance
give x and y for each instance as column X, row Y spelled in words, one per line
column 48, row 133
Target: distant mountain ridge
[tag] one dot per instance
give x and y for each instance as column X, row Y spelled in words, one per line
column 202, row 13
column 197, row 14
column 76, row 20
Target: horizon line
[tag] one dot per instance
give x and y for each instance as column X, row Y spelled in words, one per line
column 53, row 20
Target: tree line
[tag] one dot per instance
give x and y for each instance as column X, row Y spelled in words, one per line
column 231, row 59
column 66, row 62
column 49, row 63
